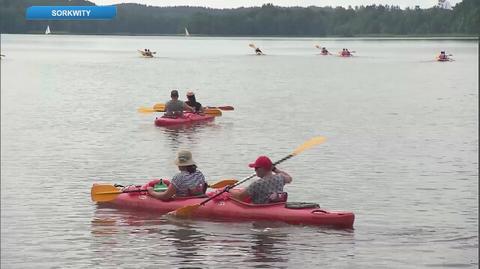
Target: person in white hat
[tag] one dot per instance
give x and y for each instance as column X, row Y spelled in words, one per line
column 189, row 182
column 192, row 102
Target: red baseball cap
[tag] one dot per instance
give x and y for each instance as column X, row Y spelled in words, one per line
column 263, row 162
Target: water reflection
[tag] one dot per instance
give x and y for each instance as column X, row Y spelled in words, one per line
column 187, row 241
column 155, row 233
column 190, row 134
column 269, row 248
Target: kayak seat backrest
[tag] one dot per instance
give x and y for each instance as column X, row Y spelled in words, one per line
column 301, row 205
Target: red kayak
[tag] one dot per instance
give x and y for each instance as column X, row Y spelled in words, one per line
column 443, row 59
column 187, row 118
column 226, row 208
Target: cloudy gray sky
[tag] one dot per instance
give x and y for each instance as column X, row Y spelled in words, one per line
column 248, row 3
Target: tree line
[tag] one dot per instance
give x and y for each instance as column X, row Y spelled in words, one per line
column 267, row 20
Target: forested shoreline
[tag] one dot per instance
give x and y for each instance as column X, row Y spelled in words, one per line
column 267, row 20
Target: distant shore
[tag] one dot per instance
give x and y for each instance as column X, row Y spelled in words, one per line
column 375, row 37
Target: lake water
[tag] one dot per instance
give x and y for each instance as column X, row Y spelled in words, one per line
column 401, row 149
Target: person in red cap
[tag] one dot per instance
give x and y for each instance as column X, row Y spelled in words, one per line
column 267, row 189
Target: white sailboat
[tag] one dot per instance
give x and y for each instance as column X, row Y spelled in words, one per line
column 47, row 31
column 186, row 32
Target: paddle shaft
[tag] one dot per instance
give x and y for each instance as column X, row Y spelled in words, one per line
column 139, row 190
column 243, row 180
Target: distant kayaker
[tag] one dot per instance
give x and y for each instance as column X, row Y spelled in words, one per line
column 345, row 52
column 442, row 56
column 189, row 182
column 324, row 50
column 267, row 189
column 175, row 107
column 258, row 51
column 192, row 102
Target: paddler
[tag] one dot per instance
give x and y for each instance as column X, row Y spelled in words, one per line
column 258, row 51
column 175, row 107
column 267, row 189
column 442, row 56
column 345, row 52
column 189, row 182
column 324, row 50
column 147, row 52
column 192, row 102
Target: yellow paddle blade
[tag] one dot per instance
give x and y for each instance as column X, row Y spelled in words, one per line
column 310, row 143
column 251, row 45
column 184, row 212
column 223, row 183
column 159, row 106
column 104, row 192
column 317, row 46
column 147, row 110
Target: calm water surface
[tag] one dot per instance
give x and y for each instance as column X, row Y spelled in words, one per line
column 401, row 150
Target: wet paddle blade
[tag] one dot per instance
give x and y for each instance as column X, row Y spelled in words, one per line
column 104, row 192
column 185, row 212
column 309, row 144
column 224, row 183
column 252, row 46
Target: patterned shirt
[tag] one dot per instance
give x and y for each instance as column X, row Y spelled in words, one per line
column 261, row 190
column 187, row 184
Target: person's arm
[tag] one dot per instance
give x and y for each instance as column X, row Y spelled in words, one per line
column 187, row 107
column 285, row 175
column 164, row 196
column 239, row 194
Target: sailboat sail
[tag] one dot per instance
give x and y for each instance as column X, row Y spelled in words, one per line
column 186, row 32
column 47, row 31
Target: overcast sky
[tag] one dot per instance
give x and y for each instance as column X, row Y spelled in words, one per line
column 249, row 3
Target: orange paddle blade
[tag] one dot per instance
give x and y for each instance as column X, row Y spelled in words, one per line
column 224, row 183
column 104, row 192
column 184, row 212
column 214, row 112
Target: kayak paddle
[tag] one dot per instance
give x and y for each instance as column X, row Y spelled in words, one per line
column 187, row 210
column 162, row 106
column 107, row 192
column 214, row 112
column 318, row 47
column 255, row 48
